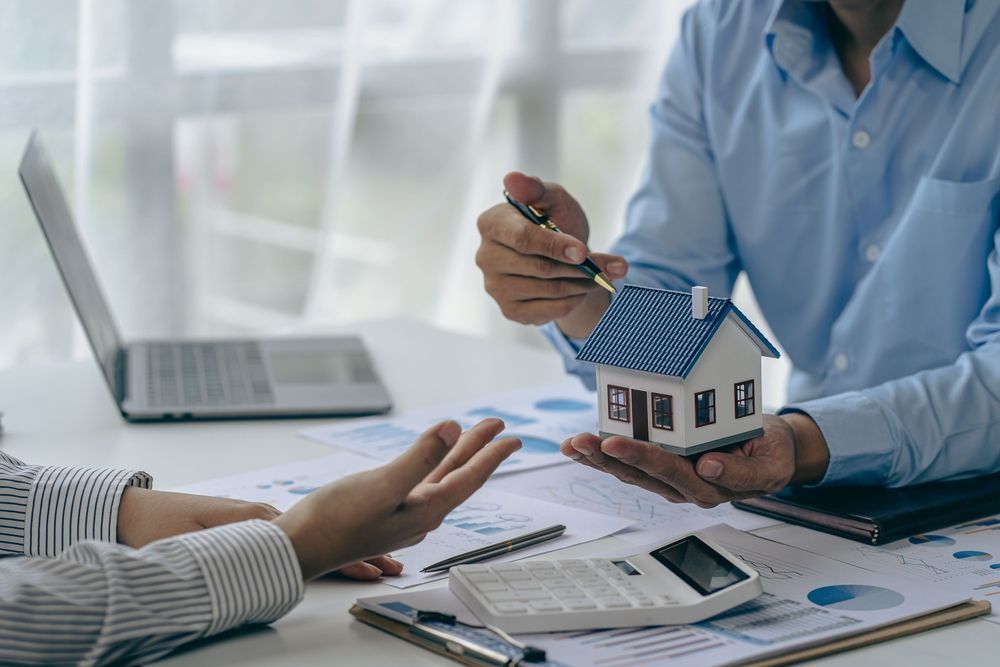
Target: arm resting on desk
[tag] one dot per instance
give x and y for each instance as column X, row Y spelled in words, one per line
column 105, row 603
column 46, row 509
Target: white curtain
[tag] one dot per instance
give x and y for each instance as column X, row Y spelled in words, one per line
column 257, row 165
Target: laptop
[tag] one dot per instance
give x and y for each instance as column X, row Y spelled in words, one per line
column 161, row 380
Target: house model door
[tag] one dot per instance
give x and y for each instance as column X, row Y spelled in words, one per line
column 640, row 416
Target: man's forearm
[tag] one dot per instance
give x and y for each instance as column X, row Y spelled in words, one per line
column 812, row 457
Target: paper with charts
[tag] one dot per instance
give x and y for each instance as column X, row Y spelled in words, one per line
column 807, row 599
column 583, row 488
column 965, row 557
column 541, row 416
column 488, row 517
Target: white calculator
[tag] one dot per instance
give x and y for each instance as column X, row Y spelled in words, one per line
column 688, row 580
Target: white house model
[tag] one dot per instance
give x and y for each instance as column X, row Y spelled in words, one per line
column 677, row 369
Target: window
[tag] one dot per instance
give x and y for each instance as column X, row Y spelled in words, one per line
column 663, row 411
column 618, row 403
column 704, row 408
column 744, row 398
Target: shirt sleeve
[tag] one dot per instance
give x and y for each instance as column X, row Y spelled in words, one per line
column 100, row 603
column 46, row 509
column 677, row 231
column 937, row 424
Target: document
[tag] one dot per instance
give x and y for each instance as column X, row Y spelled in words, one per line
column 808, row 599
column 965, row 557
column 542, row 417
column 583, row 488
column 488, row 517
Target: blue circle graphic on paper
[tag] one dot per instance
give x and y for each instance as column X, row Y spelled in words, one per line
column 534, row 445
column 932, row 540
column 995, row 566
column 972, row 555
column 563, row 405
column 302, row 490
column 855, row 597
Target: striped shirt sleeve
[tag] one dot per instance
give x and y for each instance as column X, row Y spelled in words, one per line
column 100, row 603
column 46, row 509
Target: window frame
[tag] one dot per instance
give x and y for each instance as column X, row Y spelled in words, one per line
column 653, row 397
column 627, row 404
column 750, row 399
column 710, row 393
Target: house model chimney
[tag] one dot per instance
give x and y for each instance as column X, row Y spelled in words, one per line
column 699, row 302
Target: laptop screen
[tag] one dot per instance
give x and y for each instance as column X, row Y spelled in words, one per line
column 54, row 216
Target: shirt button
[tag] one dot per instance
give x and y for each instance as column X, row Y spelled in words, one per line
column 840, row 362
column 861, row 139
column 872, row 252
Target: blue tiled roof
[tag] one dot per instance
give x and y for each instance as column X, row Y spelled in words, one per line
column 652, row 330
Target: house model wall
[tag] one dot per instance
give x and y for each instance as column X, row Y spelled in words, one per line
column 667, row 376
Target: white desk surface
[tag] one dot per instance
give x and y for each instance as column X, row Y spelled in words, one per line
column 61, row 413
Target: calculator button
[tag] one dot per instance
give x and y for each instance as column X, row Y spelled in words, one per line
column 546, row 605
column 475, row 568
column 602, row 591
column 510, row 567
column 568, row 593
column 579, row 604
column 516, row 576
column 666, row 599
column 511, row 607
column 490, row 586
column 526, row 585
column 643, row 602
column 590, row 581
column 558, row 583
column 539, row 565
column 547, row 575
column 516, row 596
column 481, row 577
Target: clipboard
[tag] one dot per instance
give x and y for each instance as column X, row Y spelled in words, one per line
column 948, row 616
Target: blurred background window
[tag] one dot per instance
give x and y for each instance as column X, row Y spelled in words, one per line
column 264, row 165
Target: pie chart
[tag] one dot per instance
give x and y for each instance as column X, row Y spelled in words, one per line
column 932, row 540
column 972, row 555
column 855, row 597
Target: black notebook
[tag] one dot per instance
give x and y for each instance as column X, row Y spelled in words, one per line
column 878, row 515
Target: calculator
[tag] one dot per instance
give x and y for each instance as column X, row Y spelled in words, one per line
column 688, row 580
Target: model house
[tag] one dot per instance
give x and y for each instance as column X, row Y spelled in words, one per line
column 681, row 370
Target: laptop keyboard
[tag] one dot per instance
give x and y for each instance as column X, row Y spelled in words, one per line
column 207, row 375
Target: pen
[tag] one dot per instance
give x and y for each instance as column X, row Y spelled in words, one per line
column 499, row 549
column 588, row 266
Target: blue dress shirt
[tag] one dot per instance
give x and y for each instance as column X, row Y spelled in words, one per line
column 868, row 226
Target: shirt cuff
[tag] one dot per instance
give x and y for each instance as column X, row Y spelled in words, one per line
column 69, row 505
column 568, row 348
column 251, row 572
column 859, row 438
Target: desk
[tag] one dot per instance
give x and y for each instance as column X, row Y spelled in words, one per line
column 62, row 414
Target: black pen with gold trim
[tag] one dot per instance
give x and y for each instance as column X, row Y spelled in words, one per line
column 499, row 549
column 588, row 266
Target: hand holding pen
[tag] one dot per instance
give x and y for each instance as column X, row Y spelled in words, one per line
column 535, row 274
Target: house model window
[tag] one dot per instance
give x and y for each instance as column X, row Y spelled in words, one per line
column 680, row 370
column 663, row 411
column 704, row 408
column 618, row 403
column 744, row 399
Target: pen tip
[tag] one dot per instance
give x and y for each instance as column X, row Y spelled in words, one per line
column 603, row 281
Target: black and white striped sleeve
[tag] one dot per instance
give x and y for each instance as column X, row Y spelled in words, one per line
column 46, row 509
column 100, row 603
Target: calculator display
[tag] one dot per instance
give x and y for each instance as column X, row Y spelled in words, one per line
column 699, row 565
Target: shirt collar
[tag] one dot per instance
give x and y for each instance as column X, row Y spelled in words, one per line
column 934, row 29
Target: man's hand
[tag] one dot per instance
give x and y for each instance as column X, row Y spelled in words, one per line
column 791, row 451
column 396, row 505
column 145, row 516
column 531, row 271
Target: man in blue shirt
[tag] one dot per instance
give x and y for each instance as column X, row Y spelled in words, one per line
column 846, row 156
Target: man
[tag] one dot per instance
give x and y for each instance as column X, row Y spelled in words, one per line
column 76, row 597
column 846, row 156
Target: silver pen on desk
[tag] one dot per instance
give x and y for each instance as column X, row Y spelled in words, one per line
column 498, row 549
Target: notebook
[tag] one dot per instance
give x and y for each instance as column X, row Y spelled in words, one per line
column 878, row 515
